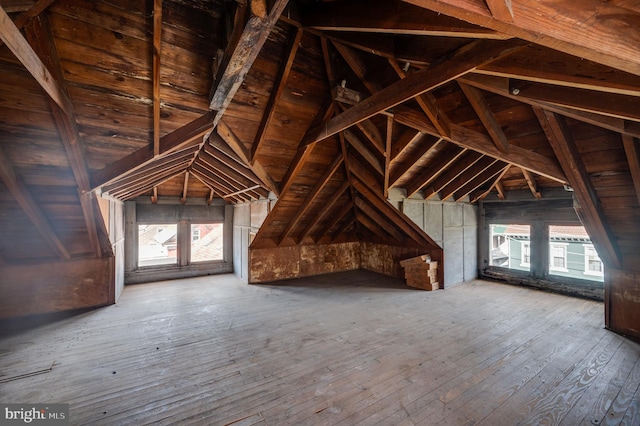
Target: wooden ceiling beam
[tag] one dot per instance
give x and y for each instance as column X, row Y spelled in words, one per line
column 501, row 9
column 468, row 175
column 21, row 194
column 180, row 138
column 232, row 184
column 589, row 207
column 501, row 86
column 609, row 104
column 405, row 224
column 495, row 184
column 403, row 142
column 358, row 66
column 324, row 210
column 41, row 40
column 389, row 17
column 632, row 151
column 500, row 190
column 370, row 131
column 486, row 116
column 349, row 163
column 347, row 207
column 28, row 14
column 470, row 139
column 207, row 160
column 142, row 178
column 157, row 45
column 450, row 172
column 171, row 160
column 583, row 29
column 254, row 35
column 346, row 225
column 496, row 169
column 123, row 192
column 364, row 151
column 381, row 221
column 218, row 148
column 428, row 104
column 446, row 158
column 378, row 231
column 387, row 156
column 223, row 186
column 14, row 40
column 400, row 170
column 276, row 92
column 531, row 182
column 461, row 62
column 321, row 183
column 243, row 153
column 213, row 185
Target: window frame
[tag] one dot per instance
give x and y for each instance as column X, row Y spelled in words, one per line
column 565, row 257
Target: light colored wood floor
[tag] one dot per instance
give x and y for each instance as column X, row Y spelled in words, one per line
column 349, row 348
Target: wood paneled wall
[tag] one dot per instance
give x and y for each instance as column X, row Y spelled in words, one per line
column 56, row 286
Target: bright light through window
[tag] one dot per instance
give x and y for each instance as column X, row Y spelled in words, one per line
column 206, row 242
column 157, row 245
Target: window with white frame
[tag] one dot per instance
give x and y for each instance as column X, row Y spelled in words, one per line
column 558, row 257
column 592, row 262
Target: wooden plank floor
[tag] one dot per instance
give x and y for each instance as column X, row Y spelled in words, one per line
column 342, row 349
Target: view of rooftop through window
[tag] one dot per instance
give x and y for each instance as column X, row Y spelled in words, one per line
column 206, row 242
column 157, row 245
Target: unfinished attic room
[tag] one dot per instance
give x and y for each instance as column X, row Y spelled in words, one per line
column 320, row 212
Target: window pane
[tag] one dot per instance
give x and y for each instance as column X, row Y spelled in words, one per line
column 571, row 253
column 511, row 246
column 206, row 242
column 157, row 245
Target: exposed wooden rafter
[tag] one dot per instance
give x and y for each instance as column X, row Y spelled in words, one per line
column 157, row 44
column 531, row 182
column 632, row 151
column 589, row 207
column 481, row 107
column 464, row 60
column 583, row 29
column 21, row 193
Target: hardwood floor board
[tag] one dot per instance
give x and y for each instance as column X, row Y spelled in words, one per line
column 592, row 407
column 458, row 391
column 626, row 405
column 347, row 348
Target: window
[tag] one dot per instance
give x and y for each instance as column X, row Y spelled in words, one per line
column 157, row 245
column 558, row 257
column 510, row 246
column 592, row 262
column 208, row 246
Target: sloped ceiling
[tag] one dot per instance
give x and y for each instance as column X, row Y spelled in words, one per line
column 328, row 105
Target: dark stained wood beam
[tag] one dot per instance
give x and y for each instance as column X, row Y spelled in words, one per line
column 632, row 151
column 500, row 190
column 358, row 66
column 387, row 156
column 589, row 208
column 174, row 141
column 542, row 65
column 157, row 44
column 447, row 157
column 255, row 34
column 450, row 172
column 482, row 109
column 428, row 104
column 14, row 40
column 41, row 39
column 470, row 139
column 468, row 175
column 338, row 216
column 370, row 131
column 348, row 161
column 346, row 225
column 403, row 142
column 389, row 17
column 207, row 160
column 155, row 179
column 381, row 221
column 154, row 197
column 461, row 62
column 496, row 184
column 35, row 10
column 21, row 194
column 231, row 180
column 427, row 144
column 222, row 186
column 501, row 9
column 364, row 151
column 324, row 210
column 531, row 182
column 496, row 169
column 218, row 149
column 311, row 196
column 276, row 92
column 241, row 151
column 583, row 29
column 501, row 86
